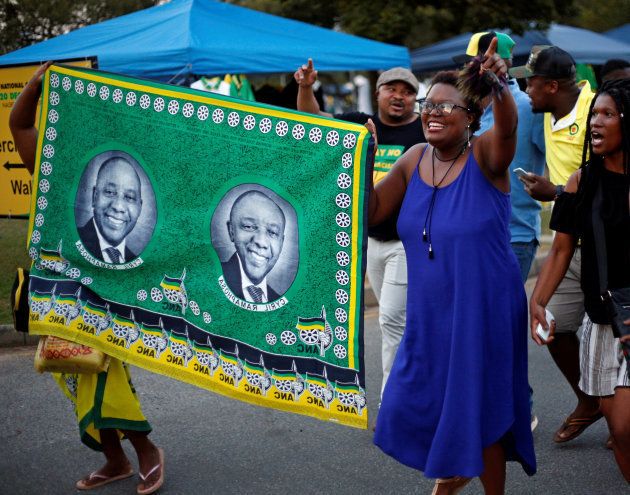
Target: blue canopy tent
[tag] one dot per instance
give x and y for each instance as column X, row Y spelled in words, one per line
column 585, row 46
column 207, row 37
column 621, row 33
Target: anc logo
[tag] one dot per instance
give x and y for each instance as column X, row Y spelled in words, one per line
column 574, row 129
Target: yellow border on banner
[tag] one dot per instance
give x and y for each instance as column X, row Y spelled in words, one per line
column 328, row 122
column 356, row 245
column 43, row 116
column 212, row 383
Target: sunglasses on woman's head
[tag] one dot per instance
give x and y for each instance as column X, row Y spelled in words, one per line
column 427, row 107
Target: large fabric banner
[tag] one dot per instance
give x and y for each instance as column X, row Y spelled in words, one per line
column 215, row 241
column 15, row 181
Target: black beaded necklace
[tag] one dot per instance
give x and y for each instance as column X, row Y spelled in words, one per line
column 426, row 235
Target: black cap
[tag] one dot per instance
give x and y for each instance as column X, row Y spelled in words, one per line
column 547, row 61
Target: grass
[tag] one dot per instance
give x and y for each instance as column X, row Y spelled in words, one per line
column 12, row 254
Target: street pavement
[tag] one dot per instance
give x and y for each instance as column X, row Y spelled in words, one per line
column 216, row 445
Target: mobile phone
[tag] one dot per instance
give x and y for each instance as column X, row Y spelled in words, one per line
column 520, row 173
column 540, row 331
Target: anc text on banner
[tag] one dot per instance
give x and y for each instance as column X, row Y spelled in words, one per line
column 216, row 241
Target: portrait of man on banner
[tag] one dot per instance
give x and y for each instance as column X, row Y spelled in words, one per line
column 254, row 232
column 115, row 209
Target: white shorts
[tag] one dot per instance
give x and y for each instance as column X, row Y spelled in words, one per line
column 602, row 364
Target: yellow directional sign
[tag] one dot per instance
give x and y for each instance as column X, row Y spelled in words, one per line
column 15, row 181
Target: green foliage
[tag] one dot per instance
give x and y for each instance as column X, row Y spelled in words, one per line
column 414, row 24
column 13, row 248
column 24, row 22
column 318, row 12
column 599, row 16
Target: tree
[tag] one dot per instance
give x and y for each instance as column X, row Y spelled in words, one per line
column 414, row 24
column 24, row 22
column 599, row 16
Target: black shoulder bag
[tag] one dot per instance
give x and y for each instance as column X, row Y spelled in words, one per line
column 616, row 301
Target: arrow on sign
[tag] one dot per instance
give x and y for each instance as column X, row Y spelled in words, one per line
column 9, row 166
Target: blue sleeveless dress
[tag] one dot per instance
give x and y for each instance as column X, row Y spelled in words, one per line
column 459, row 381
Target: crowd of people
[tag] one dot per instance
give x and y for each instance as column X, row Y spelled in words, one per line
column 454, row 229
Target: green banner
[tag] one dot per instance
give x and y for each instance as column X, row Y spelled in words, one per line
column 216, row 241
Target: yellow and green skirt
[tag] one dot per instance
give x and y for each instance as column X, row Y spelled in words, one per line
column 103, row 400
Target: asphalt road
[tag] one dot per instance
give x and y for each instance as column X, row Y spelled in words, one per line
column 218, row 445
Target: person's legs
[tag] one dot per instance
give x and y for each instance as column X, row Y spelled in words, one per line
column 387, row 271
column 567, row 307
column 117, row 465
column 149, row 462
column 525, row 253
column 493, row 476
column 392, row 303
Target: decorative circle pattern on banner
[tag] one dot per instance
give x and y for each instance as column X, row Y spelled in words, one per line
column 282, row 128
column 103, row 93
column 117, row 96
column 203, row 113
column 341, row 333
column 343, row 239
column 342, row 200
column 332, row 138
column 344, row 181
column 53, row 116
column 158, row 104
column 288, row 337
column 298, row 131
column 265, row 125
column 249, row 122
column 145, row 101
column 217, row 116
column 341, row 315
column 173, row 107
column 188, row 110
column 340, row 351
column 342, row 277
column 46, row 168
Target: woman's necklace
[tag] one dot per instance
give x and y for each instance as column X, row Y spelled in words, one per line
column 426, row 235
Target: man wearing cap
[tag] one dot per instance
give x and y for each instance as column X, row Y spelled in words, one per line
column 551, row 85
column 529, row 155
column 398, row 129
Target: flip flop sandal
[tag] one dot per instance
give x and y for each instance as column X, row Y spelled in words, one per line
column 158, row 483
column 454, row 485
column 94, row 480
column 580, row 424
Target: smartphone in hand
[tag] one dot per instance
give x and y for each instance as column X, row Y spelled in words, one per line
column 520, row 173
column 540, row 331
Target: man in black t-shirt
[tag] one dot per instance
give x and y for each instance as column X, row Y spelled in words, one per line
column 398, row 128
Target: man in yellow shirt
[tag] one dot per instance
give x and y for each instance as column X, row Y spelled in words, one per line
column 552, row 88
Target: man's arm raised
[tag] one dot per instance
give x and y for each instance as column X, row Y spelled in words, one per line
column 306, row 76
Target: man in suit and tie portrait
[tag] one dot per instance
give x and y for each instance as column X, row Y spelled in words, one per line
column 256, row 228
column 116, row 206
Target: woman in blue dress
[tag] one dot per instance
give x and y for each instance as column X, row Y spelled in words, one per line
column 456, row 405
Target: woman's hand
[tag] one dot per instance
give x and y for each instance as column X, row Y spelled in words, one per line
column 537, row 315
column 372, row 128
column 492, row 62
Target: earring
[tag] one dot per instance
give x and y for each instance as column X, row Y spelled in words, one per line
column 468, row 136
